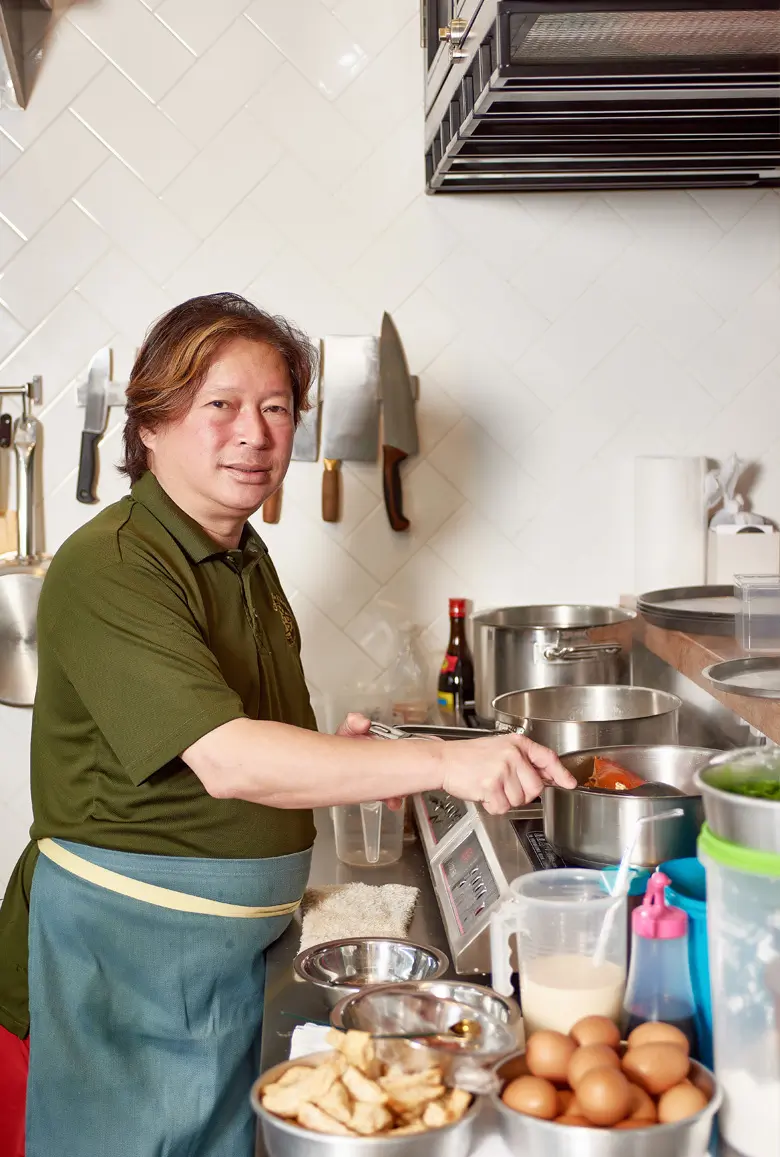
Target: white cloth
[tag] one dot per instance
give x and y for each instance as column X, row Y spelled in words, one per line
column 339, row 911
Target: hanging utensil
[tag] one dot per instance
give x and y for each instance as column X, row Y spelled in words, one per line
column 350, row 413
column 95, row 414
column 21, row 580
column 399, row 423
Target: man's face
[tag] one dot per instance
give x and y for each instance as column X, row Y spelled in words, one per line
column 232, row 449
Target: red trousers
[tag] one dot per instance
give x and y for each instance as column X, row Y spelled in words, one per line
column 14, row 1060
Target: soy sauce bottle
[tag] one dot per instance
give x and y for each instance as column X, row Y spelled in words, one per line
column 456, row 678
column 659, row 981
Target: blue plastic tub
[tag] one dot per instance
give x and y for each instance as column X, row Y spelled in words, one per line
column 688, row 890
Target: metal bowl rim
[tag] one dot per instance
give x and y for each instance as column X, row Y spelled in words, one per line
column 732, row 797
column 674, row 703
column 299, row 963
column 710, row 1109
column 708, row 752
column 336, row 1015
column 299, row 1131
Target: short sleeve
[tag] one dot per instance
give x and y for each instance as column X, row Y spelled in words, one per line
column 134, row 653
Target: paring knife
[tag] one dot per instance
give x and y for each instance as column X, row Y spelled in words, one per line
column 350, row 411
column 305, row 444
column 399, row 439
column 95, row 413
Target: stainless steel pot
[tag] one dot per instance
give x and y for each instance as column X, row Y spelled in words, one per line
column 576, row 718
column 741, row 819
column 516, row 648
column 593, row 827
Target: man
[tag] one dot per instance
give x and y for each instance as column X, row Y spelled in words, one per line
column 175, row 762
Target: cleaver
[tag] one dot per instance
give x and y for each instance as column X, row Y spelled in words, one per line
column 305, row 444
column 350, row 411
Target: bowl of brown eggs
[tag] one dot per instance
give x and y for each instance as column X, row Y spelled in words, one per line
column 590, row 1094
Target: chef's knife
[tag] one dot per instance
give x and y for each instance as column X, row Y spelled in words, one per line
column 350, row 411
column 95, row 414
column 399, row 439
column 305, row 445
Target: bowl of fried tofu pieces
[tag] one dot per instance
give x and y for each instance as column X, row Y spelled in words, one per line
column 351, row 1102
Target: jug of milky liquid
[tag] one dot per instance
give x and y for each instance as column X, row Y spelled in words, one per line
column 557, row 917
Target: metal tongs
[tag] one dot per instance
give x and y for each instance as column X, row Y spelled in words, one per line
column 382, row 731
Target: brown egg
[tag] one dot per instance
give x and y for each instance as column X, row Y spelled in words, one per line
column 680, row 1102
column 630, row 1123
column 548, row 1055
column 565, row 1098
column 533, row 1096
column 568, row 1119
column 605, row 1096
column 652, row 1032
column 596, row 1030
column 590, row 1057
column 656, row 1067
column 642, row 1107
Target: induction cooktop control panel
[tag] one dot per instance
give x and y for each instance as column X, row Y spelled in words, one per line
column 443, row 812
column 469, row 881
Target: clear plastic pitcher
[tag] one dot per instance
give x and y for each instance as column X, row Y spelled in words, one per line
column 558, row 916
column 368, row 834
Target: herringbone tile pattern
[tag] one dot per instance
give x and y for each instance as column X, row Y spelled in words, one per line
column 174, row 147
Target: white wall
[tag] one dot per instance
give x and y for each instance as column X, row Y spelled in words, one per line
column 174, row 147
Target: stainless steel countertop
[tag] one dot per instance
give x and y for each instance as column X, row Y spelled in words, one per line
column 289, row 1002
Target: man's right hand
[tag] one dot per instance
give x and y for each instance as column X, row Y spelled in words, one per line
column 501, row 772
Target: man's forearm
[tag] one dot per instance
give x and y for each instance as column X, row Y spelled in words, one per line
column 288, row 767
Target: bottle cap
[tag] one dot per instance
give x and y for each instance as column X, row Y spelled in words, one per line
column 457, row 608
column 654, row 919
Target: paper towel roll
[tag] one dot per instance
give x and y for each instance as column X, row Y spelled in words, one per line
column 670, row 529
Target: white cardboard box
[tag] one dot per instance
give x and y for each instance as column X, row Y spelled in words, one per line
column 744, row 553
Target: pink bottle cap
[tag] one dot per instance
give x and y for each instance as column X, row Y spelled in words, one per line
column 654, row 919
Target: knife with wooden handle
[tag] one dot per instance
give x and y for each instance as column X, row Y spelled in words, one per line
column 350, row 412
column 399, row 423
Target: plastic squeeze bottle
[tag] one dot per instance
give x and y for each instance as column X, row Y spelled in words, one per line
column 659, row 978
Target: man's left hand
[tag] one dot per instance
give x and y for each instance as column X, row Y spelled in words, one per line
column 356, row 726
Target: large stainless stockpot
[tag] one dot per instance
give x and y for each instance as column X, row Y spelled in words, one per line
column 576, row 718
column 516, row 648
column 593, row 827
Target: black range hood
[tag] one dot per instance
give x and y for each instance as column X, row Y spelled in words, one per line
column 545, row 94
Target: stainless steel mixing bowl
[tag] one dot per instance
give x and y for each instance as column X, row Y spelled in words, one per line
column 529, row 1135
column 339, row 968
column 284, row 1139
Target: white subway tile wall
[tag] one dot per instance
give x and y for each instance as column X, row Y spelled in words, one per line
column 175, row 147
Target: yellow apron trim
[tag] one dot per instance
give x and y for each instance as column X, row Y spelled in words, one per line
column 151, row 893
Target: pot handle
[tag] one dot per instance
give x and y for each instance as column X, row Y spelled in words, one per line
column 510, row 728
column 589, row 651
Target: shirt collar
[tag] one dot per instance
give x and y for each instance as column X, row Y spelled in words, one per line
column 189, row 534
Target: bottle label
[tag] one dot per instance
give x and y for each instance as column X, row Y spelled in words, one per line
column 446, row 700
column 449, row 664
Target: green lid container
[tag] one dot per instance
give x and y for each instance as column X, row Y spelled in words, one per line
column 737, row 857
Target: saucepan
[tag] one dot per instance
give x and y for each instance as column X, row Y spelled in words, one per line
column 593, row 827
column 21, row 579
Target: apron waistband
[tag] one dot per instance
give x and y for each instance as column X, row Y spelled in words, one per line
column 152, row 893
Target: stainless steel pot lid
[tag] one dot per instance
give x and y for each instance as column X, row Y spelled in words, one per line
column 555, row 616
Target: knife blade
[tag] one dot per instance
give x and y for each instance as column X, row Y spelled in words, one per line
column 350, row 411
column 399, row 421
column 305, row 444
column 95, row 414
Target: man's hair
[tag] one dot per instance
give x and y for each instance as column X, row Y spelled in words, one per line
column 178, row 352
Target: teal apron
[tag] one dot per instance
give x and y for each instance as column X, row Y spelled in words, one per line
column 145, row 1021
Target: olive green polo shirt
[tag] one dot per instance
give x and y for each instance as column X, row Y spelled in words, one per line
column 150, row 635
